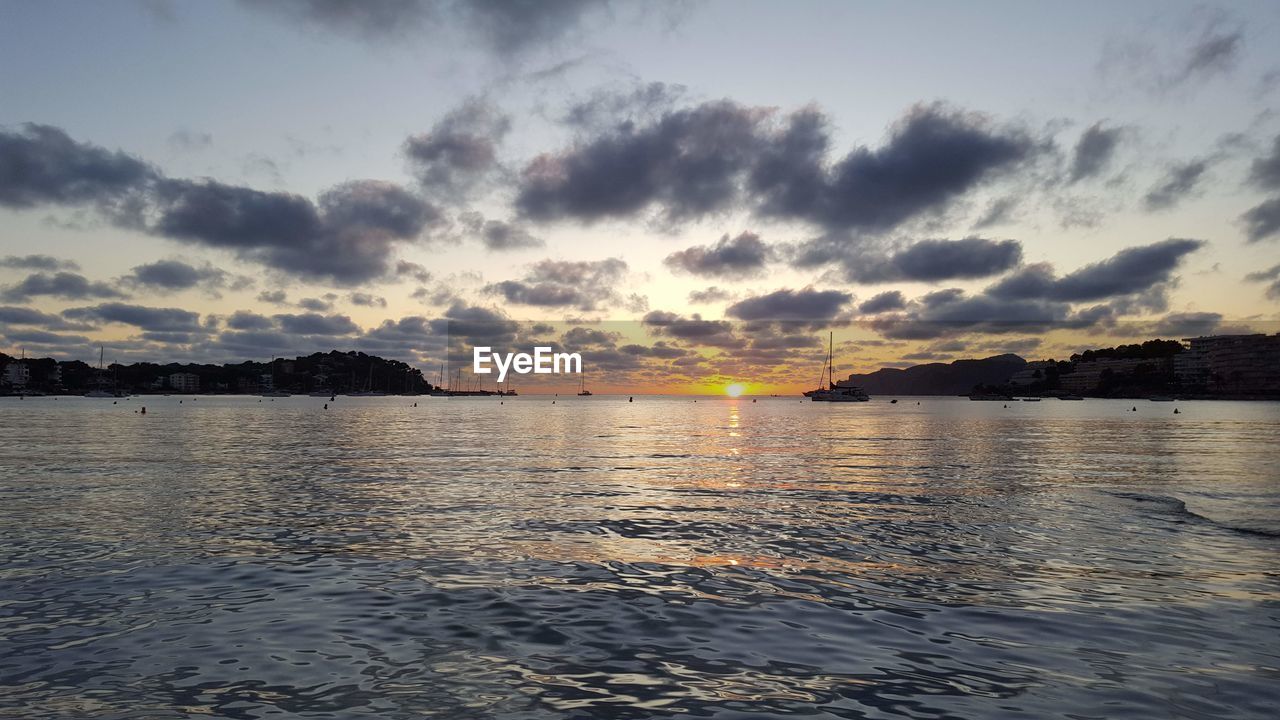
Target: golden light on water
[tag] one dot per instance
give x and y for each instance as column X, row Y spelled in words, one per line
column 734, row 390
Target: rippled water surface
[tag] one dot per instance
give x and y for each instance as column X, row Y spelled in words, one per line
column 231, row 558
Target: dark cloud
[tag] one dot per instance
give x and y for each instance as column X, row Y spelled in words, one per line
column 1178, row 182
column 715, row 333
column 169, row 275
column 884, row 302
column 1132, row 270
column 11, row 315
column 744, row 256
column 498, row 235
column 934, row 260
column 145, row 318
column 317, row 304
column 687, row 164
column 413, row 270
column 1264, row 172
column 67, row 285
column 720, row 155
column 1263, row 221
column 347, row 237
column 1215, row 52
column 1187, row 324
column 1271, row 276
column 583, row 285
column 1094, row 151
column 246, row 320
column 932, row 156
column 316, row 324
column 37, row 262
column 367, row 300
column 506, row 28
column 608, row 107
column 460, row 150
column 807, row 305
column 274, row 297
column 710, row 295
column 40, row 164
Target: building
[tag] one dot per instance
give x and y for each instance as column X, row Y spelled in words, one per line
column 1231, row 364
column 1033, row 372
column 17, row 374
column 1087, row 376
column 185, row 382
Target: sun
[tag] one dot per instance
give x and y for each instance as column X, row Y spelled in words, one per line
column 734, row 390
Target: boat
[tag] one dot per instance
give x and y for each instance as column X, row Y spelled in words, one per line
column 990, row 397
column 582, row 384
column 98, row 392
column 1160, row 398
column 835, row 390
column 1030, row 399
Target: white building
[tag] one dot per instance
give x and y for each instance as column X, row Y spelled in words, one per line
column 185, row 382
column 17, row 374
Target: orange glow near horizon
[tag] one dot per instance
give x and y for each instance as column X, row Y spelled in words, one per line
column 734, row 390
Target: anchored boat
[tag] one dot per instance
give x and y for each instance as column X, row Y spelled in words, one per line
column 835, row 390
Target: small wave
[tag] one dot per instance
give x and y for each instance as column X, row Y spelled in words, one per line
column 1176, row 506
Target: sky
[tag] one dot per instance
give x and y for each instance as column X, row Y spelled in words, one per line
column 690, row 193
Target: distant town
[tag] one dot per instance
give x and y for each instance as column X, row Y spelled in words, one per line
column 1218, row 366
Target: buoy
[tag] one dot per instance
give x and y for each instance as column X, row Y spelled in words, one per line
column 553, row 402
column 1006, row 407
column 144, row 409
column 893, row 401
column 326, row 406
column 1135, row 408
column 631, row 399
column 753, row 399
column 179, row 402
column 1176, row 411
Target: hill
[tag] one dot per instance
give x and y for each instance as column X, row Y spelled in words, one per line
column 955, row 378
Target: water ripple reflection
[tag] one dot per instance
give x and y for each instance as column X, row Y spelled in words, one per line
column 598, row 558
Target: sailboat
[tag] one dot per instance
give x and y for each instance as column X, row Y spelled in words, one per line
column 835, row 390
column 274, row 392
column 582, row 384
column 98, row 392
column 368, row 390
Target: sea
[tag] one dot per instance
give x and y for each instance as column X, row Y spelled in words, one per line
column 649, row 557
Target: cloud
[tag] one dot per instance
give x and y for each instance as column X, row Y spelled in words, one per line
column 497, row 235
column 1132, row 270
column 274, row 297
column 460, row 150
column 935, row 260
column 367, row 300
column 146, row 318
column 504, row 28
column 743, row 256
column 807, row 305
column 246, row 320
column 1264, row 172
column 603, row 108
column 1188, row 324
column 67, row 285
column 41, row 164
column 584, row 285
column 1215, row 52
column 37, row 262
column 1178, row 182
column 716, row 333
column 710, row 295
column 190, row 140
column 884, row 302
column 174, row 275
column 316, row 324
column 323, row 304
column 718, row 156
column 1263, row 221
column 347, row 237
column 1272, row 276
column 413, row 270
column 11, row 315
column 1094, row 150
